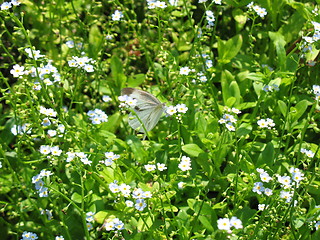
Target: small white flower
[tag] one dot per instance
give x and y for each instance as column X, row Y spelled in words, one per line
column 171, row 110
column 224, row 224
column 185, row 70
column 150, row 167
column 117, row 15
column 17, row 70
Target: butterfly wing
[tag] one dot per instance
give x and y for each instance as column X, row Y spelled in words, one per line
column 148, row 116
column 148, row 109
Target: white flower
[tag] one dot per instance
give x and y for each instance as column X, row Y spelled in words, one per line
column 150, row 167
column 56, row 151
column 171, row 110
column 265, row 177
column 161, row 167
column 17, row 70
column 117, row 15
column 224, row 224
column 286, row 195
column 106, row 98
column 88, row 68
column 129, row 203
column 181, row 108
column 45, row 149
column 185, row 70
column 258, row 187
column 181, row 185
column 236, row 223
column 6, row 6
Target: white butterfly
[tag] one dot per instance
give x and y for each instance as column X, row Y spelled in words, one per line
column 148, row 109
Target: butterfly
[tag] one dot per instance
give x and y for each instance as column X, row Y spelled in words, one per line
column 148, row 110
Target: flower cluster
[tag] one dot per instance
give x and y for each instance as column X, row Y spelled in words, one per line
column 8, row 5
column 39, row 183
column 29, row 236
column 200, row 77
column 53, row 132
column 266, row 123
column 97, row 116
column 185, row 164
column 316, row 91
column 227, row 224
column 71, row 44
column 138, row 194
column 84, row 63
column 179, row 108
column 48, row 74
column 151, row 167
column 270, row 88
column 316, row 35
column 127, row 101
column 259, row 10
column 90, row 220
column 110, row 157
column 186, row 70
column 228, row 119
column 32, row 53
column 308, row 153
column 46, row 150
column 47, row 212
column 210, row 18
column 81, row 155
column 286, row 182
column 117, row 15
column 106, row 98
column 48, row 111
column 152, row 4
column 21, row 129
column 113, row 224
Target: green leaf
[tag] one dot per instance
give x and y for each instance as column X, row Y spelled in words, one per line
column 206, row 222
column 226, row 80
column 243, row 129
column 117, row 71
column 76, row 197
column 283, row 107
column 137, row 148
column 267, row 155
column 136, row 80
column 279, row 43
column 192, row 149
column 229, row 49
column 95, row 39
column 235, row 92
column 300, row 108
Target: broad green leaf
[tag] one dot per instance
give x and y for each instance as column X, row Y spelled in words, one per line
column 243, row 129
column 95, row 39
column 117, row 71
column 229, row 49
column 206, row 222
column 300, row 108
column 235, row 92
column 76, row 197
column 137, row 148
column 283, row 108
column 267, row 155
column 279, row 43
column 192, row 149
column 136, row 80
column 226, row 80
